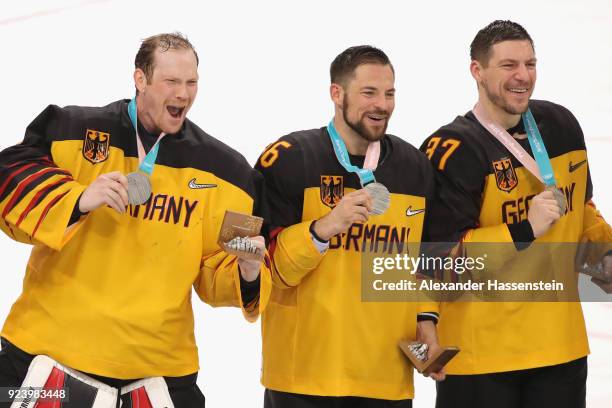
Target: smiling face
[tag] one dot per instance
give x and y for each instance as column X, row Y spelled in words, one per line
column 507, row 81
column 164, row 99
column 368, row 100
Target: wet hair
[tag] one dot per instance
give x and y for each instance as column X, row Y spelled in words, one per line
column 496, row 32
column 343, row 67
column 145, row 58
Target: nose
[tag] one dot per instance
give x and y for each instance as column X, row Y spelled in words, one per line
column 380, row 102
column 522, row 73
column 384, row 103
column 181, row 92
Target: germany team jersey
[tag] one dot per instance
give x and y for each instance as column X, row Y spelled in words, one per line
column 319, row 337
column 111, row 294
column 484, row 197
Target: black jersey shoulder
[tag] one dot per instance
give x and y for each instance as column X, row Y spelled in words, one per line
column 560, row 130
column 404, row 168
column 460, row 144
column 310, row 141
column 316, row 142
column 291, row 156
column 72, row 123
column 192, row 147
column 557, row 125
column 463, row 129
column 401, row 151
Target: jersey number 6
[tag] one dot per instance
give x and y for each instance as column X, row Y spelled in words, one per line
column 269, row 157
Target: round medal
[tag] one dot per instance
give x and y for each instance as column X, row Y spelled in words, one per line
column 381, row 198
column 139, row 188
column 560, row 197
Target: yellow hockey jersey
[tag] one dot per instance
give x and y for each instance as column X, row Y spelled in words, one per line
column 484, row 195
column 319, row 337
column 111, row 294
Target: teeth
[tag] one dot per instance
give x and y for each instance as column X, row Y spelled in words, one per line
column 520, row 90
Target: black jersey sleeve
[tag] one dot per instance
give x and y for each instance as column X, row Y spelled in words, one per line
column 291, row 249
column 37, row 199
column 459, row 179
column 282, row 167
column 578, row 131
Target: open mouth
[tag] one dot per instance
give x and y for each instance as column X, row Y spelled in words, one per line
column 518, row 90
column 377, row 117
column 175, row 111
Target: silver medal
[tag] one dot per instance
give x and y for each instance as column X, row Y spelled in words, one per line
column 381, row 198
column 139, row 188
column 560, row 197
column 419, row 350
column 242, row 244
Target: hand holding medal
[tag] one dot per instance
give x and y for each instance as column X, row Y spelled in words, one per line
column 139, row 188
column 381, row 198
column 239, row 235
column 544, row 211
column 109, row 189
column 354, row 207
column 548, row 206
column 117, row 190
column 559, row 198
column 429, row 361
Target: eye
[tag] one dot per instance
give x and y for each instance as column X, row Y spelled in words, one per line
column 171, row 81
column 368, row 93
column 390, row 94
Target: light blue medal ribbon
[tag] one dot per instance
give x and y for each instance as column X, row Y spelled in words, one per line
column 381, row 197
column 542, row 159
column 146, row 166
column 539, row 150
column 366, row 176
column 139, row 183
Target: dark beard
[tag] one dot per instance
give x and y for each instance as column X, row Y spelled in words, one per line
column 498, row 101
column 359, row 128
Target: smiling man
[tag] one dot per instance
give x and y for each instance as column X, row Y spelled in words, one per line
column 333, row 192
column 497, row 183
column 123, row 204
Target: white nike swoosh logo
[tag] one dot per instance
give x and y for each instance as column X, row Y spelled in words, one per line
column 194, row 185
column 410, row 213
column 573, row 167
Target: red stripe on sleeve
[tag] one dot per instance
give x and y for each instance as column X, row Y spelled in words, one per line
column 46, row 160
column 15, row 174
column 273, row 234
column 34, row 200
column 28, row 180
column 46, row 210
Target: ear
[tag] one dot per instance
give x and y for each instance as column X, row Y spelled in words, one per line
column 337, row 94
column 140, row 80
column 476, row 70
